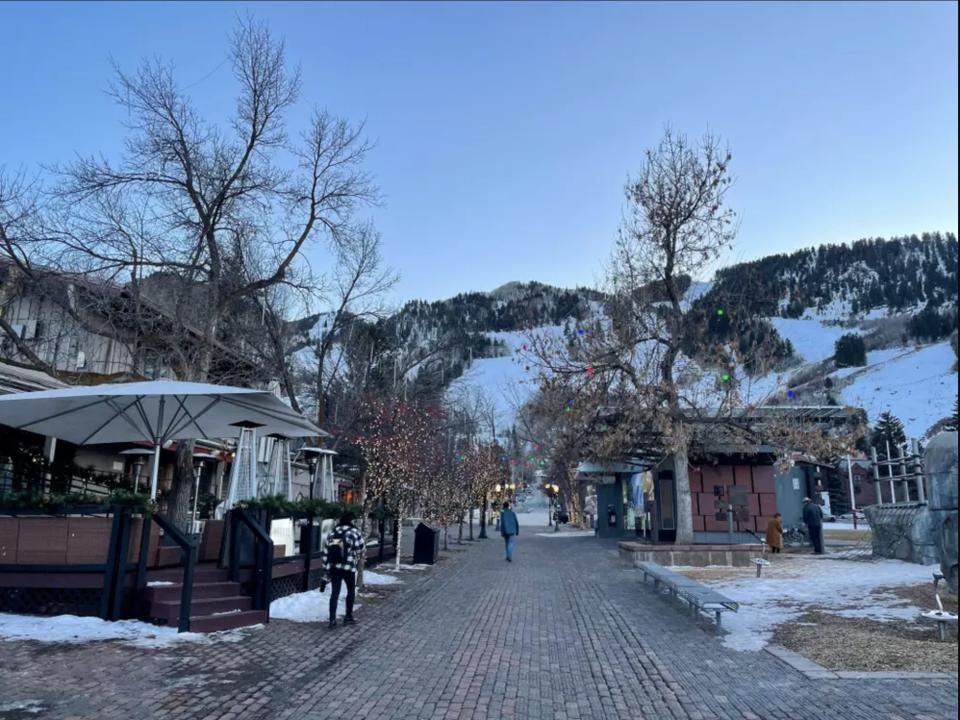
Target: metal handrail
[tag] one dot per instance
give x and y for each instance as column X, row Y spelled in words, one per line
column 263, row 554
column 188, row 549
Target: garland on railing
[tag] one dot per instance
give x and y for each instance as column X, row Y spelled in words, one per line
column 27, row 501
column 279, row 507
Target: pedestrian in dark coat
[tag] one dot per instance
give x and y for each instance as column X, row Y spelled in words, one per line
column 509, row 528
column 813, row 519
column 341, row 556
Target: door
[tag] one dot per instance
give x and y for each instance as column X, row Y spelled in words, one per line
column 609, row 500
column 666, row 494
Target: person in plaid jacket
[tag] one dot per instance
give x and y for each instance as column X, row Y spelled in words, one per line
column 341, row 555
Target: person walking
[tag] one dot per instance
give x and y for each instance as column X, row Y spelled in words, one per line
column 813, row 518
column 509, row 528
column 341, row 555
column 775, row 533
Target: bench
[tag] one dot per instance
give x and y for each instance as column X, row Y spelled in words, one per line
column 699, row 596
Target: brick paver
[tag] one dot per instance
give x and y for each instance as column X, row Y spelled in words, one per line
column 563, row 632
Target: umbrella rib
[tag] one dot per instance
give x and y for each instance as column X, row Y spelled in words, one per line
column 292, row 418
column 167, row 432
column 193, row 419
column 146, row 420
column 61, row 414
column 118, row 412
column 123, row 413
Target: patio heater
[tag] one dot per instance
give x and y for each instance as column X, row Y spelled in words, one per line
column 243, row 474
column 279, row 476
column 139, row 456
column 322, row 471
column 198, row 459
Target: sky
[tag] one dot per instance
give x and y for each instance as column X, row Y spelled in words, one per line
column 504, row 132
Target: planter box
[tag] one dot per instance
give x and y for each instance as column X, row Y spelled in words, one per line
column 88, row 540
column 42, row 541
column 210, row 541
column 154, row 545
column 9, row 531
column 66, row 540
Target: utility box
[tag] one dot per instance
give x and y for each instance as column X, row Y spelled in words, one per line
column 426, row 545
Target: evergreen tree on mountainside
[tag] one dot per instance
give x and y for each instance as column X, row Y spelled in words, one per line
column 850, row 351
column 901, row 273
column 932, row 323
column 888, row 429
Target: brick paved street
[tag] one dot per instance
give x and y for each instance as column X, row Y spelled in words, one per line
column 564, row 632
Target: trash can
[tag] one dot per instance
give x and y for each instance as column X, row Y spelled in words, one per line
column 426, row 545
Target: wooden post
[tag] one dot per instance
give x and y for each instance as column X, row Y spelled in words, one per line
column 876, row 476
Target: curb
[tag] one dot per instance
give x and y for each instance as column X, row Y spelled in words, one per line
column 813, row 671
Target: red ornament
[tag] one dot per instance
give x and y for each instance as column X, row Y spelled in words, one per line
column 590, row 371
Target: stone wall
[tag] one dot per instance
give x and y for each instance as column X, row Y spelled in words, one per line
column 689, row 555
column 940, row 466
column 903, row 531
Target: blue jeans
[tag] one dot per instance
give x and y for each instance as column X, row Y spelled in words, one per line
column 508, row 542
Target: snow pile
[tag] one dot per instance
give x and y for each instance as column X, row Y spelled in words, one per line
column 790, row 586
column 74, row 629
column 312, row 606
column 374, row 578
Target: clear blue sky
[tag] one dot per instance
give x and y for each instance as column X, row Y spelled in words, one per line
column 505, row 132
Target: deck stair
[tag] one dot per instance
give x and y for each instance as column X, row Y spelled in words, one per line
column 218, row 603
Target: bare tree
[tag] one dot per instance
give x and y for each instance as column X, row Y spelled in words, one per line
column 359, row 284
column 675, row 226
column 210, row 216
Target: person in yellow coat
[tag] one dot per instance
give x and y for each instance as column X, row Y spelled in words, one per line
column 775, row 533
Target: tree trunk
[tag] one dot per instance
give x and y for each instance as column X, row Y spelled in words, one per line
column 684, row 511
column 399, row 526
column 178, row 505
column 471, row 525
column 460, row 531
column 446, row 545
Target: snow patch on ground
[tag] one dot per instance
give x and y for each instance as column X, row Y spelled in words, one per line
column 74, row 629
column 311, row 606
column 791, row 585
column 32, row 707
column 567, row 534
column 533, row 518
column 375, row 578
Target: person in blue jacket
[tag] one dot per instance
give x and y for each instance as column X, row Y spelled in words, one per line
column 509, row 528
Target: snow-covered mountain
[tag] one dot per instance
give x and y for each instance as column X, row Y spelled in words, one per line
column 899, row 295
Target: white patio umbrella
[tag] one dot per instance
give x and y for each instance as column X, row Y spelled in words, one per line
column 156, row 412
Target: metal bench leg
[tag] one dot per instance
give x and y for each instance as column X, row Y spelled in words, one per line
column 718, row 615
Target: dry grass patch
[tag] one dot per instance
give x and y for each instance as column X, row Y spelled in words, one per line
column 859, row 644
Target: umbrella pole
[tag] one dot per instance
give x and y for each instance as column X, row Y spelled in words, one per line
column 156, row 472
column 196, row 495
